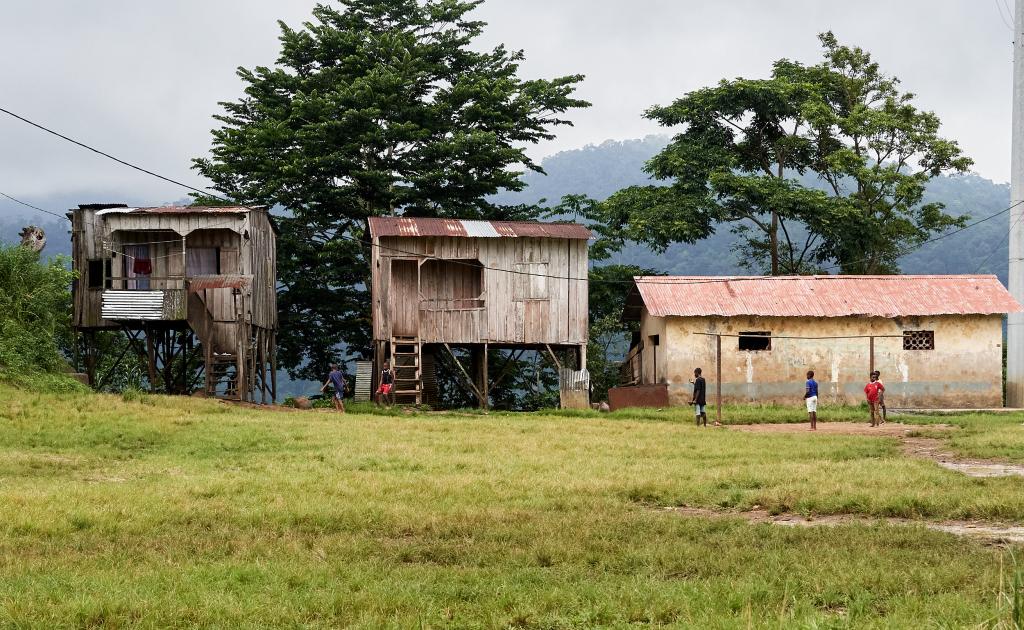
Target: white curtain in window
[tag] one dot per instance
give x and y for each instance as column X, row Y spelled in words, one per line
column 201, row 261
column 132, row 254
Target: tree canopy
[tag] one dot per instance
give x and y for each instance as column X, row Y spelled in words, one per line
column 745, row 144
column 381, row 107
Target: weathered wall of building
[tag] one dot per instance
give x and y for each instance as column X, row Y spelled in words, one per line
column 964, row 369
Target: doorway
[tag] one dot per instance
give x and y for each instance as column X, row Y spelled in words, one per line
column 404, row 298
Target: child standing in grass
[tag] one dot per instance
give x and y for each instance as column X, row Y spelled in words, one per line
column 699, row 400
column 873, row 391
column 811, row 399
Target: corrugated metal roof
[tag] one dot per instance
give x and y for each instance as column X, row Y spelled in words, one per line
column 178, row 210
column 411, row 226
column 132, row 305
column 201, row 283
column 822, row 296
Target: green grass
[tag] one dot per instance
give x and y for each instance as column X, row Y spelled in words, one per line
column 150, row 511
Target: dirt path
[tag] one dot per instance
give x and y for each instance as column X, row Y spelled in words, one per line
column 889, row 429
column 991, row 533
column 913, row 446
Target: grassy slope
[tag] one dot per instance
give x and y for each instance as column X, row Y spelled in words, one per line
column 187, row 512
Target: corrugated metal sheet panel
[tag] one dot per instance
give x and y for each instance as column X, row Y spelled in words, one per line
column 479, row 229
column 179, row 210
column 133, row 305
column 201, row 283
column 824, row 296
column 410, row 226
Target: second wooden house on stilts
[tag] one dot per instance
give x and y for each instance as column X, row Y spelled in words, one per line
column 482, row 286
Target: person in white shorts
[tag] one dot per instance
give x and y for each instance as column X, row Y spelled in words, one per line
column 811, row 398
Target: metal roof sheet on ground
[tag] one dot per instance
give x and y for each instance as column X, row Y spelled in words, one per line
column 822, row 296
column 414, row 226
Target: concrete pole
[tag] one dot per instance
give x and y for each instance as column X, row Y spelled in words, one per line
column 1015, row 323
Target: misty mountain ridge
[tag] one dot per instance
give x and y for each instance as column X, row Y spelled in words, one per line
column 599, row 170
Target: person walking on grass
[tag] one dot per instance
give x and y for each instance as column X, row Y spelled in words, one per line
column 337, row 379
column 811, row 399
column 881, row 398
column 699, row 400
column 873, row 391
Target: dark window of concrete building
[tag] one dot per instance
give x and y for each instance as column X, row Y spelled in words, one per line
column 918, row 339
column 755, row 340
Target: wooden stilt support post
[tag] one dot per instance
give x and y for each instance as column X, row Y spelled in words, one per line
column 150, row 357
column 718, row 379
column 273, row 367
column 484, row 402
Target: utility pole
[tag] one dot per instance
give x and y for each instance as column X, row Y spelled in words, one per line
column 1015, row 321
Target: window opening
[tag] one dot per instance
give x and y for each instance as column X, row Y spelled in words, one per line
column 755, row 340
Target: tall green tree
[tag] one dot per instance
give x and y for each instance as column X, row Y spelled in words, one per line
column 378, row 107
column 743, row 144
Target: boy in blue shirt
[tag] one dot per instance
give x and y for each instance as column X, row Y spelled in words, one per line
column 337, row 379
column 811, row 398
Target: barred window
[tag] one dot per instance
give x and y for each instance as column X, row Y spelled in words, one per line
column 918, row 339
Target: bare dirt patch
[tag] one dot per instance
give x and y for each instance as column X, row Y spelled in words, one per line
column 889, row 429
column 933, row 449
column 913, row 445
column 991, row 533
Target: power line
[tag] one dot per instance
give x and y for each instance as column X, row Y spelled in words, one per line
column 513, row 271
column 28, row 205
column 103, row 153
column 999, row 8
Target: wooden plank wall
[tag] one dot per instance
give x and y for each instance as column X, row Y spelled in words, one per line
column 256, row 255
column 522, row 304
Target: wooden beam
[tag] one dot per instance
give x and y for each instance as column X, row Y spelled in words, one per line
column 503, row 370
column 558, row 364
column 469, row 379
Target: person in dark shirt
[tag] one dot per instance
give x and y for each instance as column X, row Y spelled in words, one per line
column 387, row 383
column 811, row 399
column 337, row 379
column 699, row 400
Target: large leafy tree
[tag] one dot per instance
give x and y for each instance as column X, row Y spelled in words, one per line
column 746, row 146
column 377, row 107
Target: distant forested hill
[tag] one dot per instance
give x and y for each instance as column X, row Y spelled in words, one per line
column 599, row 170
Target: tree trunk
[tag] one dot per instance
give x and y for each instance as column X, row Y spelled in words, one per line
column 774, row 236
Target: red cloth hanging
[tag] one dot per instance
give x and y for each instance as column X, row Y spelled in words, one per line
column 142, row 267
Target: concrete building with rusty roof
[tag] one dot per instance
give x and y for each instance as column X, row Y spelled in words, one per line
column 193, row 287
column 479, row 286
column 937, row 340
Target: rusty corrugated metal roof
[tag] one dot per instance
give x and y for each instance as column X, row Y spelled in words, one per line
column 410, row 226
column 201, row 283
column 823, row 296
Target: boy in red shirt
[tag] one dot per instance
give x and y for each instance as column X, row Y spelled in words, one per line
column 873, row 391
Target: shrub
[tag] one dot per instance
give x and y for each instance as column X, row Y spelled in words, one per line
column 35, row 310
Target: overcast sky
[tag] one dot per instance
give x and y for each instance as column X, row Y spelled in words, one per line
column 141, row 79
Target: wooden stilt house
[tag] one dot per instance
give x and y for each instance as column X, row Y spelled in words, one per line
column 441, row 284
column 194, row 288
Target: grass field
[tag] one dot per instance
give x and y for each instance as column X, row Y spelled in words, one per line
column 159, row 512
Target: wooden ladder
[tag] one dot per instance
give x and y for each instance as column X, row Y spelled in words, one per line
column 406, row 361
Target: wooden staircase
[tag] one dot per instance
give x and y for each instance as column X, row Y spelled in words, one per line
column 406, row 360
column 221, row 361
